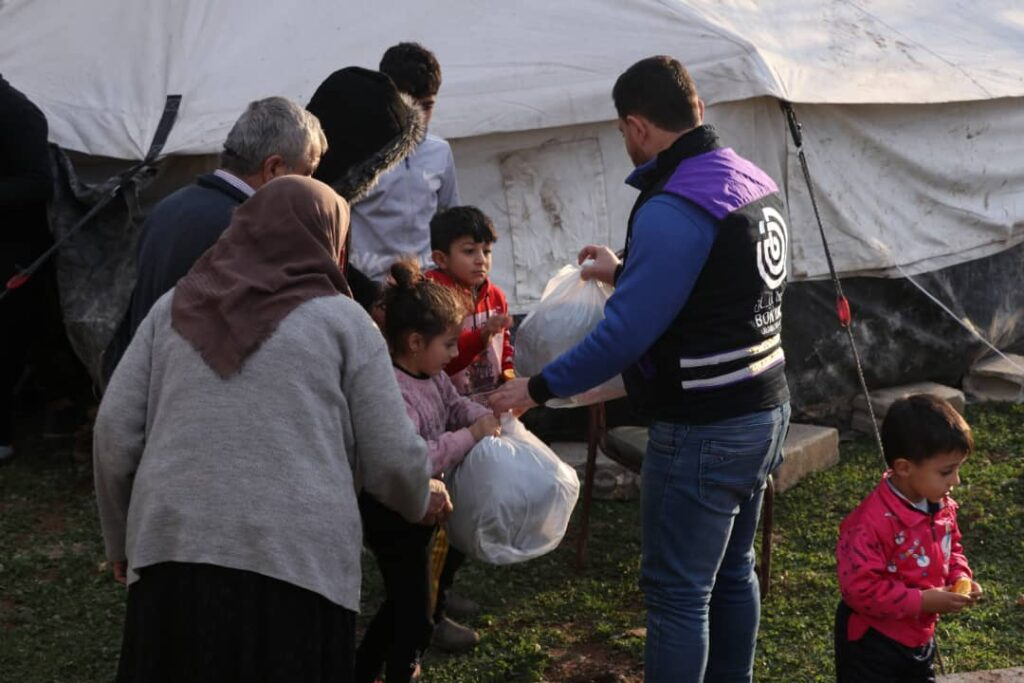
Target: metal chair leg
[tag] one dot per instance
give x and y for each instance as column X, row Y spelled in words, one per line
column 594, row 424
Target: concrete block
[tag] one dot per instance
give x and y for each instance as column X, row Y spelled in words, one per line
column 808, row 448
column 997, row 379
column 612, row 481
column 1015, row 675
column 882, row 399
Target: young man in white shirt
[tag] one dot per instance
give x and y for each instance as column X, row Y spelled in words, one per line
column 393, row 219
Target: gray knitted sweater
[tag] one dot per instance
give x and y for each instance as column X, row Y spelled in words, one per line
column 259, row 471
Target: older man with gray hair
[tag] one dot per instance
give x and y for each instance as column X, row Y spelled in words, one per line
column 273, row 137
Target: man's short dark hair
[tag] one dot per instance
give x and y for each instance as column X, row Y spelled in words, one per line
column 661, row 90
column 413, row 68
column 460, row 221
column 923, row 426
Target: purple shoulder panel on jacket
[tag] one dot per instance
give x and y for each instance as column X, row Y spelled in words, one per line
column 720, row 182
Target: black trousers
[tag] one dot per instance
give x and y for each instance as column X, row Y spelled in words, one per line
column 452, row 562
column 400, row 631
column 18, row 329
column 878, row 659
column 202, row 623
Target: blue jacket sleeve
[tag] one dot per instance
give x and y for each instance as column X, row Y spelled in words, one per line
column 671, row 242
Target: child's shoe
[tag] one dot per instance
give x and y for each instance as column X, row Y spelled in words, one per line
column 450, row 636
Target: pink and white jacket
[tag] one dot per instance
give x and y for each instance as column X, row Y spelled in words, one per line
column 441, row 417
column 889, row 552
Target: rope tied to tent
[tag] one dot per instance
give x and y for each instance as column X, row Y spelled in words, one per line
column 163, row 130
column 843, row 311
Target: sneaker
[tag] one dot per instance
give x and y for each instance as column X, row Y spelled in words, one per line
column 6, row 453
column 461, row 607
column 450, row 636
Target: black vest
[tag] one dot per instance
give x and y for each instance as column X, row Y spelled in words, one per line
column 722, row 355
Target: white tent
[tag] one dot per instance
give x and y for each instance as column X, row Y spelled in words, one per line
column 912, row 108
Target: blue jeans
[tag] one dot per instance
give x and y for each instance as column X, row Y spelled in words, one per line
column 702, row 491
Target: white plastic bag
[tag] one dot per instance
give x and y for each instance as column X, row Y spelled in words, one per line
column 569, row 309
column 512, row 497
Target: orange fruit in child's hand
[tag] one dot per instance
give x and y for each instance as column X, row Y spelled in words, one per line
column 963, row 586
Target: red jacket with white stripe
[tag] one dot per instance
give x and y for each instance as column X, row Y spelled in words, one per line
column 889, row 552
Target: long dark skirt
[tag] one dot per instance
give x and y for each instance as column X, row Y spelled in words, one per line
column 198, row 622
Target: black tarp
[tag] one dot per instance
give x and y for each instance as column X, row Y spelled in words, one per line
column 902, row 335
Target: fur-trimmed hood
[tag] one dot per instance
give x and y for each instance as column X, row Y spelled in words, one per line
column 370, row 128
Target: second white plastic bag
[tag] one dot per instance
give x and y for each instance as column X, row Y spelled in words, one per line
column 569, row 309
column 513, row 497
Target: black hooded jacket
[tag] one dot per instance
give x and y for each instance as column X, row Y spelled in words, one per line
column 26, row 181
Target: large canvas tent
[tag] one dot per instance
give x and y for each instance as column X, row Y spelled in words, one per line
column 911, row 110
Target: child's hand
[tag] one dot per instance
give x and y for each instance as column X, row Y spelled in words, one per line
column 440, row 506
column 943, row 601
column 495, row 324
column 488, row 425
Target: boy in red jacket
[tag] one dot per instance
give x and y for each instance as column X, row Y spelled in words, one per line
column 899, row 554
column 460, row 240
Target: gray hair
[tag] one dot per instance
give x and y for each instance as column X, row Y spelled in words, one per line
column 274, row 125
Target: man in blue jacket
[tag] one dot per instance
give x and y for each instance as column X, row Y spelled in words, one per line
column 693, row 326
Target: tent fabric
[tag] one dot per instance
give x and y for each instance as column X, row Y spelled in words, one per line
column 917, row 187
column 912, row 115
column 101, row 72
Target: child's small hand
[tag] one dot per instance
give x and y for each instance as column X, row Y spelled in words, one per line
column 495, row 324
column 943, row 601
column 488, row 425
column 440, row 506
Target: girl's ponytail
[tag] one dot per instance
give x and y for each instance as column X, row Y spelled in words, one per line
column 415, row 303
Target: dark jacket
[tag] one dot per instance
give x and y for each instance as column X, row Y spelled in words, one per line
column 26, row 182
column 722, row 355
column 176, row 233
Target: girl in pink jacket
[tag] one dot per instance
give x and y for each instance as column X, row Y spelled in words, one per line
column 899, row 557
column 422, row 324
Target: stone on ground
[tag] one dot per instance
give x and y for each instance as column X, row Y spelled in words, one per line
column 1015, row 675
column 997, row 379
column 612, row 481
column 882, row 399
column 808, row 449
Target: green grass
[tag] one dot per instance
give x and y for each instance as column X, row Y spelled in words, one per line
column 60, row 613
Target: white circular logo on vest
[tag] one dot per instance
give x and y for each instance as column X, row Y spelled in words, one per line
column 772, row 248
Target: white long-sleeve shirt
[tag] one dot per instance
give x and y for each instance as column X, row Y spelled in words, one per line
column 393, row 220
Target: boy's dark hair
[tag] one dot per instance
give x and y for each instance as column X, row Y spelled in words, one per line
column 460, row 221
column 413, row 68
column 415, row 304
column 923, row 426
column 659, row 89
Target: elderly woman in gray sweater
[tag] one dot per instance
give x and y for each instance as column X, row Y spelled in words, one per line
column 250, row 408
